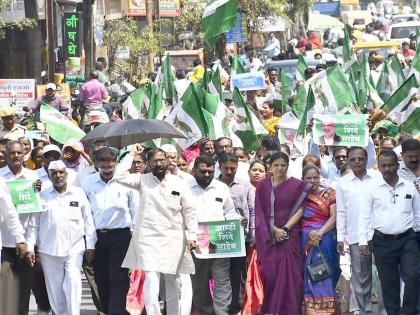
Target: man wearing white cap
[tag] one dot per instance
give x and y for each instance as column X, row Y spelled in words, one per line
column 172, row 156
column 50, row 98
column 63, row 232
column 51, row 153
column 13, row 266
column 11, row 130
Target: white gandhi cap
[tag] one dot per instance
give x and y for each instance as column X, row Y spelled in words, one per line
column 56, row 165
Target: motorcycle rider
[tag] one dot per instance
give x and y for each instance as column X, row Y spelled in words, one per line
column 92, row 94
column 52, row 98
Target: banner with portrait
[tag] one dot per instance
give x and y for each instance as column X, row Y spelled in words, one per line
column 341, row 130
column 220, row 239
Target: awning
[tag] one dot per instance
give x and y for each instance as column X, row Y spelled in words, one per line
column 322, row 22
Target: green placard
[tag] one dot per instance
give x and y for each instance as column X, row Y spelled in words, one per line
column 340, row 130
column 220, row 239
column 24, row 197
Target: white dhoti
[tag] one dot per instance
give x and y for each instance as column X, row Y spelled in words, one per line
column 178, row 293
column 64, row 282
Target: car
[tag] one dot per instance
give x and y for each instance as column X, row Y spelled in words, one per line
column 401, row 31
column 402, row 18
column 289, row 67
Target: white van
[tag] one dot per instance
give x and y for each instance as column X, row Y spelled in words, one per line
column 401, row 31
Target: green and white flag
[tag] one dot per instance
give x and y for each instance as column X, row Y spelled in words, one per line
column 248, row 127
column 58, row 126
column 333, row 92
column 410, row 121
column 188, row 116
column 299, row 104
column 219, row 17
column 396, row 70
column 300, row 68
column 132, row 106
column 280, row 100
column 401, row 97
column 387, row 83
column 168, row 78
column 215, row 86
column 309, row 105
column 237, row 67
column 154, row 102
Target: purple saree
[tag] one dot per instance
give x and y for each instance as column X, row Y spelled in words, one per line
column 281, row 264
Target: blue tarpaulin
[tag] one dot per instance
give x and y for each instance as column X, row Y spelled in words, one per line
column 327, row 8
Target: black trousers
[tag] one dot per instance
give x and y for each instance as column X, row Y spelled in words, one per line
column 39, row 288
column 237, row 273
column 112, row 280
column 13, row 267
column 397, row 257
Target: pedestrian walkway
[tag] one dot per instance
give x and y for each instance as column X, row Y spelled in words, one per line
column 87, row 306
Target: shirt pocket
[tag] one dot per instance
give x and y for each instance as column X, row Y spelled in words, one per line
column 174, row 203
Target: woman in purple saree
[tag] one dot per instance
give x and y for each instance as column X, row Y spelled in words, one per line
column 277, row 212
column 319, row 234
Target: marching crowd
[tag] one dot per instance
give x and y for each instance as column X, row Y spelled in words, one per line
column 328, row 230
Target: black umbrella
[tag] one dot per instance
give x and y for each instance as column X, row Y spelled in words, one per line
column 120, row 134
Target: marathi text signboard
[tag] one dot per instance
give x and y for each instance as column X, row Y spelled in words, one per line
column 72, row 38
column 16, row 93
column 167, row 8
column 24, row 197
column 220, row 239
column 249, row 81
column 341, row 130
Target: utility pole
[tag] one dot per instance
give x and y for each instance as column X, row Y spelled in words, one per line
column 49, row 16
column 88, row 36
column 149, row 18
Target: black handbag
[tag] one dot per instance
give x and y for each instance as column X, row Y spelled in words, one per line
column 317, row 271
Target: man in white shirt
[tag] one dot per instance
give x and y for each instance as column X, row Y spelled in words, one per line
column 12, row 266
column 214, row 204
column 172, row 156
column 392, row 209
column 159, row 245
column 251, row 63
column 113, row 209
column 273, row 46
column 349, row 191
column 60, row 232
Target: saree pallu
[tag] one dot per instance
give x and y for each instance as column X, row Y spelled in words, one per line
column 254, row 293
column 320, row 297
column 134, row 303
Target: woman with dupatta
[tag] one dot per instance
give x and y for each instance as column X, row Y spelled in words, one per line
column 277, row 213
column 319, row 236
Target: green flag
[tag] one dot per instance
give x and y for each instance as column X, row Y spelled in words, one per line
column 132, row 106
column 411, row 119
column 286, row 90
column 168, row 78
column 347, row 54
column 237, row 67
column 387, row 83
column 299, row 104
column 215, row 86
column 248, row 128
column 156, row 105
column 219, row 17
column 396, row 70
column 401, row 96
column 300, row 68
column 310, row 103
column 59, row 127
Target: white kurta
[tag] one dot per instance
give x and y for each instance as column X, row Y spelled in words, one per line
column 165, row 209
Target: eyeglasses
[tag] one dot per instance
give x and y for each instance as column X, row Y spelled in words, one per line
column 340, row 157
column 106, row 169
column 356, row 159
column 394, row 195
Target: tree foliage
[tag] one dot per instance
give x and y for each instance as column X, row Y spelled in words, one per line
column 126, row 33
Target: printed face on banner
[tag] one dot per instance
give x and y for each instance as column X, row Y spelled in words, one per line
column 341, row 130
